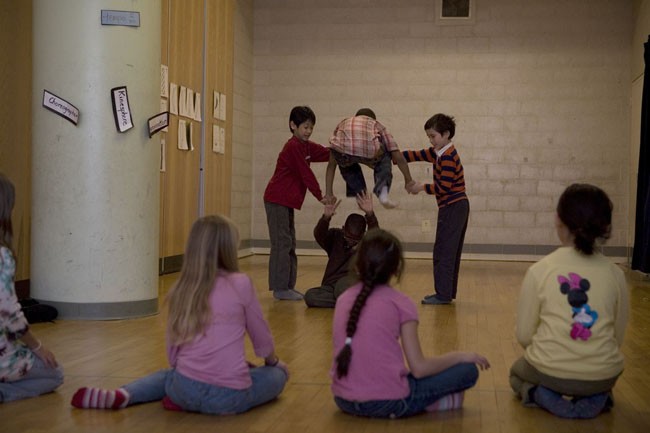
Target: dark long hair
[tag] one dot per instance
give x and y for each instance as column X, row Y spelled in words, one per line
column 586, row 211
column 378, row 258
column 7, row 201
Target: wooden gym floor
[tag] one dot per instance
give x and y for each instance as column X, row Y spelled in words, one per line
column 111, row 353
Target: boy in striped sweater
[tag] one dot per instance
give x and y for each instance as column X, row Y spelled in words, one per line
column 449, row 188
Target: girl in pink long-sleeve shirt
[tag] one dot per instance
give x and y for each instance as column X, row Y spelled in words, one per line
column 211, row 308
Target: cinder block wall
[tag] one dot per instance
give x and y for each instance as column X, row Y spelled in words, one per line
column 540, row 91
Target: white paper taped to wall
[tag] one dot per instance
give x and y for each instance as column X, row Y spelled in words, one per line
column 173, row 98
column 182, row 135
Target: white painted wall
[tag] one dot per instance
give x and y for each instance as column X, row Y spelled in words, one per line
column 540, row 90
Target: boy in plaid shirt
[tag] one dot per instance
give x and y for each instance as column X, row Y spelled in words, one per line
column 361, row 139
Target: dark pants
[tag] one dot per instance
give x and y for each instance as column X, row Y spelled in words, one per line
column 448, row 247
column 283, row 263
column 351, row 171
column 325, row 296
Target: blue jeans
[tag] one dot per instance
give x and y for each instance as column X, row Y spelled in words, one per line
column 353, row 176
column 40, row 379
column 423, row 393
column 195, row 396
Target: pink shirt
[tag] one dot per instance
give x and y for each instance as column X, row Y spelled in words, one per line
column 377, row 370
column 361, row 136
column 218, row 357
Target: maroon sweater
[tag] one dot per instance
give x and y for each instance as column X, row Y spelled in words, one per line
column 293, row 176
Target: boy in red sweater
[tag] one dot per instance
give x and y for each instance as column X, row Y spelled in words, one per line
column 285, row 192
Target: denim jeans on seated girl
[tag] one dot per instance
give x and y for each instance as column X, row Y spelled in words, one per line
column 195, row 396
column 423, row 393
column 40, row 379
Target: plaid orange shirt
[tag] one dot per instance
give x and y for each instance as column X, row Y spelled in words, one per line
column 362, row 136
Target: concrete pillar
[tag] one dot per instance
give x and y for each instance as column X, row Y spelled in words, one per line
column 95, row 198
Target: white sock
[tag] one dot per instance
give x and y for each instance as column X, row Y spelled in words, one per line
column 448, row 402
column 383, row 194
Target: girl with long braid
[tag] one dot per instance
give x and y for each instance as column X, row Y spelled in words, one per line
column 375, row 326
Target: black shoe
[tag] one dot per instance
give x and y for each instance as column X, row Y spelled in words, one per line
column 287, row 295
column 434, row 300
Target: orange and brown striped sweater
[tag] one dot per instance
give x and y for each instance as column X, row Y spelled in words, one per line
column 448, row 176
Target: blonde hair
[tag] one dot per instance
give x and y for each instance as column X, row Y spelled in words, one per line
column 211, row 249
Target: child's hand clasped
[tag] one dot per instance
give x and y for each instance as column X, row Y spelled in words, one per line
column 328, row 199
column 414, row 187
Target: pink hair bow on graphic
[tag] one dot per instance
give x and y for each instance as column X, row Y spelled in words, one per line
column 573, row 281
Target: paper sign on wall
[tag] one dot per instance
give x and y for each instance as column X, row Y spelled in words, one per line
column 158, row 122
column 164, row 81
column 182, row 135
column 219, row 106
column 189, row 103
column 182, row 102
column 61, row 107
column 218, row 139
column 121, row 110
column 222, row 140
column 173, row 98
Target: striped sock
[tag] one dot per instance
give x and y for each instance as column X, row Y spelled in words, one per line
column 448, row 402
column 98, row 398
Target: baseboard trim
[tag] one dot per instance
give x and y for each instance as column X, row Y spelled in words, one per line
column 104, row 310
column 501, row 252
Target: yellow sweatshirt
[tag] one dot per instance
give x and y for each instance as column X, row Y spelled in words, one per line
column 569, row 332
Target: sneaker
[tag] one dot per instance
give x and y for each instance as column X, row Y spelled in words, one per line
column 434, row 300
column 287, row 295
